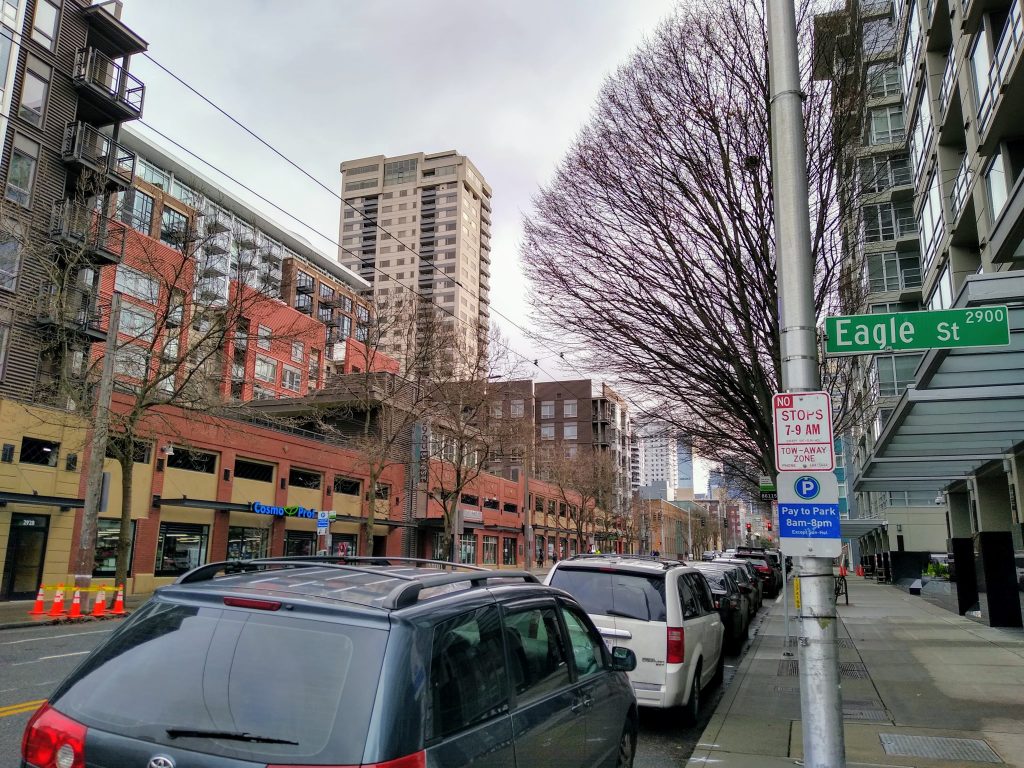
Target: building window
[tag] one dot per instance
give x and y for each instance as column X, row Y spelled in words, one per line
column 180, row 548
column 508, row 551
column 467, row 549
column 248, row 543
column 547, row 409
column 131, row 361
column 298, row 350
column 22, row 171
column 137, row 322
column 5, row 336
column 10, row 264
column 346, row 304
column 304, row 478
column 153, row 175
column 33, row 92
column 516, row 409
column 569, row 409
column 932, row 221
column 42, row 452
column 888, row 221
column 192, row 461
column 254, row 470
column 138, row 211
column 490, row 550
column 894, row 306
column 547, row 432
column 569, row 431
column 314, row 367
column 136, row 284
column 912, row 46
column 878, row 173
column 266, row 369
column 878, row 36
column 921, row 135
column 264, row 337
column 496, row 410
column 44, row 26
column 347, row 486
column 399, row 172
column 383, row 492
column 887, row 126
column 895, row 372
column 326, row 292
column 996, row 185
column 883, row 80
column 105, row 557
column 173, row 229
column 291, row 378
column 942, row 297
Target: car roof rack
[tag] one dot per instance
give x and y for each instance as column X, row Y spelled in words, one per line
column 401, row 596
column 665, row 563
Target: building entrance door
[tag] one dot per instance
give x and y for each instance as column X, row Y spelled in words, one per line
column 26, row 551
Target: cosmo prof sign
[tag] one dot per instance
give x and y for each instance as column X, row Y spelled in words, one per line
column 803, row 432
column 291, row 511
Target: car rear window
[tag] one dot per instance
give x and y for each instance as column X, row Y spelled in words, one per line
column 715, row 578
column 211, row 669
column 616, row 593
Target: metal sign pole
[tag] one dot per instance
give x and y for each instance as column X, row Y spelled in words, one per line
column 820, row 703
column 785, row 603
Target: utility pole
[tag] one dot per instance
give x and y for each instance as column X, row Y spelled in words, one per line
column 97, row 452
column 820, row 698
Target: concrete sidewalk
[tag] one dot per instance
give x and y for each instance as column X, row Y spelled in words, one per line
column 921, row 687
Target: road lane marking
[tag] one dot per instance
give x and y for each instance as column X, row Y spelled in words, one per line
column 22, row 708
column 29, row 685
column 57, row 637
column 47, row 658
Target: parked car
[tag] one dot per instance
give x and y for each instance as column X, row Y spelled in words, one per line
column 766, row 572
column 747, row 584
column 774, row 561
column 664, row 611
column 358, row 662
column 754, row 580
column 732, row 603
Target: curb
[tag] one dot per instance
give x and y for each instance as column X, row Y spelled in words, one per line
column 49, row 622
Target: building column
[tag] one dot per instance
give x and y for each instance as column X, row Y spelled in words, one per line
column 998, row 592
column 961, row 550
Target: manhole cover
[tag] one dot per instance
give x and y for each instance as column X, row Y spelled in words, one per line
column 938, row 748
column 851, row 670
column 872, row 715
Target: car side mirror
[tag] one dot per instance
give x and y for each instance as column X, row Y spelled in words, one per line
column 746, row 589
column 623, row 659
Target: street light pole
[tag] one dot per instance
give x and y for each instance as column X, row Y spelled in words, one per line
column 820, row 703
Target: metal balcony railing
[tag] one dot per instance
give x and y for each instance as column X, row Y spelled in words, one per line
column 948, row 83
column 961, row 185
column 910, row 278
column 106, row 78
column 71, row 308
column 82, row 227
column 84, row 144
column 305, row 285
column 217, row 242
column 999, row 70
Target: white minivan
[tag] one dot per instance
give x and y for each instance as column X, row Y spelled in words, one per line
column 663, row 611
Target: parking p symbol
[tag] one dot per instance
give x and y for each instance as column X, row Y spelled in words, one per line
column 807, row 487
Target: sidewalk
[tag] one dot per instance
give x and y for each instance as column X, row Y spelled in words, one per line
column 910, row 672
column 14, row 614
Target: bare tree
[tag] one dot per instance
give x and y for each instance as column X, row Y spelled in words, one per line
column 651, row 252
column 586, row 481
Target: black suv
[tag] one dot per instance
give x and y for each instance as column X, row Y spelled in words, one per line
column 385, row 662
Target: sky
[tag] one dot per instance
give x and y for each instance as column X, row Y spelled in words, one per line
column 508, row 84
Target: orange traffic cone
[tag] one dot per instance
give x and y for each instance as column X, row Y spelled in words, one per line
column 38, row 609
column 860, row 570
column 57, row 609
column 99, row 607
column 842, row 570
column 76, row 606
column 119, row 602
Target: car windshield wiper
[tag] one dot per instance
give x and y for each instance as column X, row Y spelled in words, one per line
column 175, row 733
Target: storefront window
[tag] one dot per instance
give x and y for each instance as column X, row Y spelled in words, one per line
column 180, row 547
column 539, row 549
column 105, row 561
column 490, row 550
column 344, row 544
column 299, row 544
column 247, row 543
column 467, row 549
column 508, row 551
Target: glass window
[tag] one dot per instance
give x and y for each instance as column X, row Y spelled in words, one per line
column 887, row 126
column 174, row 228
column 254, row 470
column 620, row 594
column 516, row 409
column 883, row 80
column 347, row 486
column 185, row 194
column 942, row 297
column 105, row 558
column 138, row 211
column 5, row 337
column 569, row 430
column 997, row 186
column 547, row 431
column 932, row 221
column 912, row 48
column 291, row 378
column 44, row 27
column 192, row 461
column 153, row 175
column 508, row 550
column 321, row 716
column 547, row 409
column 131, row 361
column 33, row 92
column 878, row 36
column 36, row 451
column 248, row 543
column 895, row 372
column 5, row 57
column 588, row 658
column 467, row 549
column 981, row 62
column 304, row 478
column 264, row 337
column 137, row 322
column 10, row 264
column 490, row 550
column 298, row 350
column 180, row 548
column 266, row 369
column 22, row 171
column 136, row 284
column 537, row 653
column 399, row 172
column 569, row 409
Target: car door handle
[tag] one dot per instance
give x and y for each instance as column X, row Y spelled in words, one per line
column 584, row 703
column 625, row 634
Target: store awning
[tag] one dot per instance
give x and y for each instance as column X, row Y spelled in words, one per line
column 185, row 501
column 965, row 408
column 856, row 527
column 64, row 502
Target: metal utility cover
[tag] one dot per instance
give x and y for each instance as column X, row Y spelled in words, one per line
column 938, row 748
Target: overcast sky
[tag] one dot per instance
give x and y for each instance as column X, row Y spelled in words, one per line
column 506, row 83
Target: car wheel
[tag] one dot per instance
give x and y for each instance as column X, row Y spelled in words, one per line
column 627, row 746
column 693, row 705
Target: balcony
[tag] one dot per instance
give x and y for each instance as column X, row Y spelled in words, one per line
column 304, row 304
column 271, row 253
column 246, row 239
column 76, row 226
column 85, row 146
column 109, row 33
column 215, row 267
column 70, row 309
column 947, row 87
column 329, row 298
column 1002, row 65
column 961, row 187
column 108, row 93
column 217, row 242
column 216, row 220
column 305, row 284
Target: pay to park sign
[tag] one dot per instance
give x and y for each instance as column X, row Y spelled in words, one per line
column 901, row 331
column 803, row 432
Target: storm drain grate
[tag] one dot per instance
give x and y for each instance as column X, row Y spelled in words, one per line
column 851, row 670
column 868, row 714
column 781, row 689
column 938, row 748
column 842, row 642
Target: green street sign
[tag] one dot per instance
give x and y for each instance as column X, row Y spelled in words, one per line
column 902, row 331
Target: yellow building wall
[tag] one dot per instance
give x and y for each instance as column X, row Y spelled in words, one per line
column 311, row 498
column 142, row 484
column 180, row 483
column 16, row 421
column 245, row 491
column 346, row 505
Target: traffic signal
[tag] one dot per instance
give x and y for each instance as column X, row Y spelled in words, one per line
column 748, row 527
column 769, row 524
column 703, row 522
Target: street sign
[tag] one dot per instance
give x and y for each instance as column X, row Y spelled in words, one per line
column 902, row 331
column 323, row 521
column 767, row 488
column 803, row 432
column 809, row 514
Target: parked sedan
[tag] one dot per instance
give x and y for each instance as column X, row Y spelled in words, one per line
column 753, row 579
column 747, row 587
column 731, row 602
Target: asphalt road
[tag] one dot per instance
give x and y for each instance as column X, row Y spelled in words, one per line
column 34, row 660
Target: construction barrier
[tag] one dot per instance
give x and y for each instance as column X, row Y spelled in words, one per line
column 119, row 603
column 79, row 609
column 76, row 605
column 99, row 607
column 39, row 609
column 57, row 609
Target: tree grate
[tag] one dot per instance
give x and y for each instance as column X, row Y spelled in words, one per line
column 851, row 670
column 938, row 748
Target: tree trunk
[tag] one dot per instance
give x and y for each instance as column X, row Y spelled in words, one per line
column 371, row 512
column 124, row 536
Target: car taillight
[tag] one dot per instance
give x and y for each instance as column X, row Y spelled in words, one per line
column 763, row 568
column 676, row 645
column 53, row 740
column 248, row 602
column 416, row 760
column 717, row 604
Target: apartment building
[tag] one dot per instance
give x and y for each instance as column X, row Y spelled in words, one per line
column 421, row 224
column 657, row 451
column 956, row 435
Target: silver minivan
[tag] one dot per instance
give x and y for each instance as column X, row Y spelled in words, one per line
column 663, row 611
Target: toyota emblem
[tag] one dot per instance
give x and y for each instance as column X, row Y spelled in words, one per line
column 160, row 761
